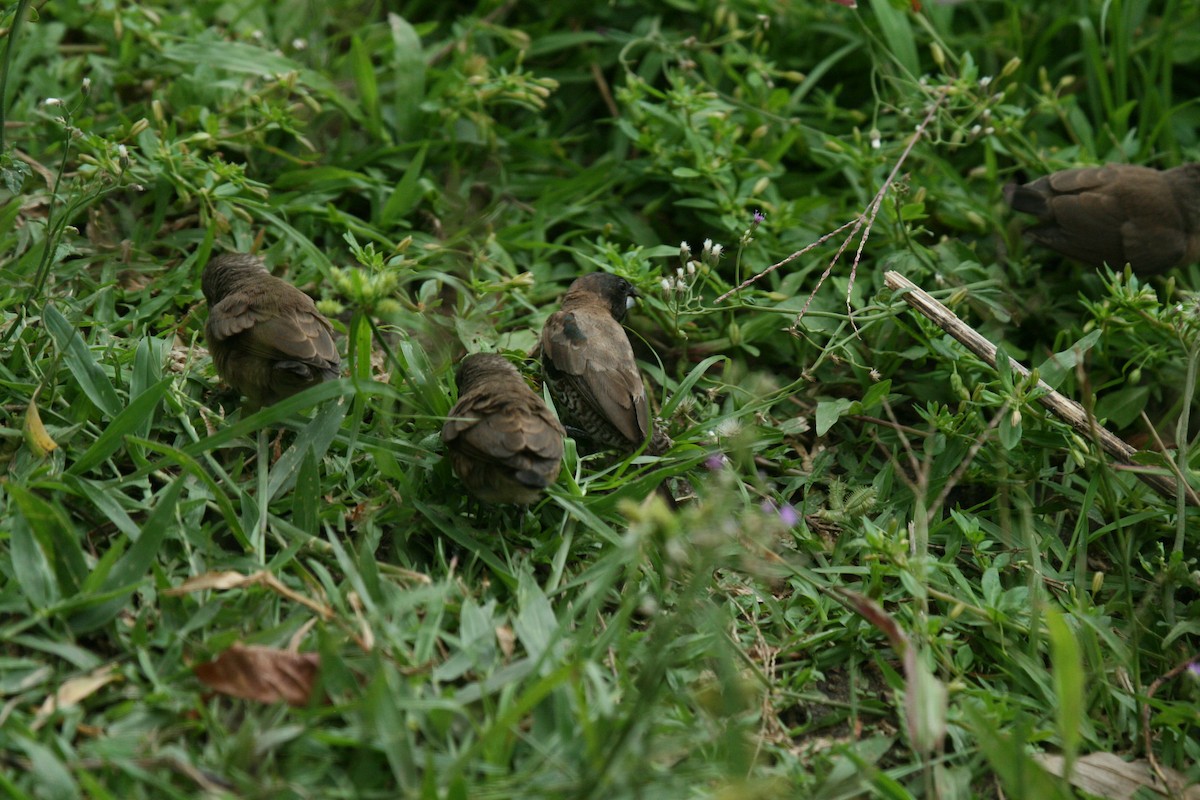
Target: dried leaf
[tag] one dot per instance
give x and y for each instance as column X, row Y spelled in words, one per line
column 36, row 435
column 1108, row 775
column 236, row 580
column 74, row 691
column 506, row 639
column 210, row 580
column 263, row 674
column 874, row 614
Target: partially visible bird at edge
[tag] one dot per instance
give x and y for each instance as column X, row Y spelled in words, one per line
column 1116, row 214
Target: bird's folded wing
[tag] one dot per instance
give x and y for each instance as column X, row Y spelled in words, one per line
column 590, row 351
column 301, row 336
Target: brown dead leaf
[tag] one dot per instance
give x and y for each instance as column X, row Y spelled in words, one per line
column 1110, row 776
column 263, row 674
column 131, row 280
column 74, row 692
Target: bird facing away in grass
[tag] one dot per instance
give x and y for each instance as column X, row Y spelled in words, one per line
column 267, row 339
column 504, row 444
column 1116, row 214
column 589, row 366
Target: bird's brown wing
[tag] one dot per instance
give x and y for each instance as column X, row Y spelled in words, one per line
column 589, row 349
column 298, row 334
column 1153, row 247
column 1082, row 216
column 505, row 429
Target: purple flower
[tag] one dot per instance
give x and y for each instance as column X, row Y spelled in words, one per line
column 715, row 462
column 1194, row 668
column 759, row 217
column 787, row 513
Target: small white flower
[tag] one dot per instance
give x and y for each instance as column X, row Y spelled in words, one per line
column 299, row 44
column 684, row 250
column 86, row 86
column 716, row 251
column 727, row 428
column 985, row 81
column 707, row 247
column 52, row 102
column 666, row 285
column 691, row 268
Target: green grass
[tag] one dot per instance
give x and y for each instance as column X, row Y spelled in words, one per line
column 896, row 574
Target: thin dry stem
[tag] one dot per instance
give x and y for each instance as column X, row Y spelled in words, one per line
column 867, row 218
column 1062, row 407
column 1145, row 714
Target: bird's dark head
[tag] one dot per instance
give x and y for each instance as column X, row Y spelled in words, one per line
column 226, row 272
column 479, row 367
column 616, row 292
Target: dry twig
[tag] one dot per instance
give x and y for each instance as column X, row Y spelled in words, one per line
column 1062, row 407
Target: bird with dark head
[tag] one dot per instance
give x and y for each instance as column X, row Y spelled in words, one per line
column 504, row 444
column 1116, row 214
column 589, row 366
column 267, row 339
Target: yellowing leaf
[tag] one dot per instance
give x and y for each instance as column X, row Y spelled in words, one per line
column 73, row 692
column 36, row 435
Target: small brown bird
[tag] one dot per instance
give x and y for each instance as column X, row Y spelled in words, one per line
column 1116, row 214
column 590, row 369
column 266, row 337
column 504, row 443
